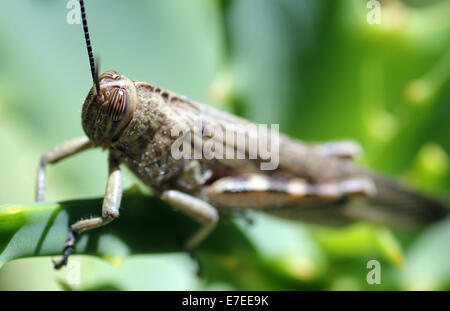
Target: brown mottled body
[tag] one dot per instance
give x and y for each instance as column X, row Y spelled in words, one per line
column 144, row 146
column 315, row 183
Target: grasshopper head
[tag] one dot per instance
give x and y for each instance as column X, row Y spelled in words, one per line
column 106, row 115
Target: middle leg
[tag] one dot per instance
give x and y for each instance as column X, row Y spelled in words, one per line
column 199, row 210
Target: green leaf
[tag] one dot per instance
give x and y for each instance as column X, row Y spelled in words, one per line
column 146, row 225
column 428, row 265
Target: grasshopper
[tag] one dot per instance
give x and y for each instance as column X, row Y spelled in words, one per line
column 317, row 183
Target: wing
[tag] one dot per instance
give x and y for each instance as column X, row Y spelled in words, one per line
column 295, row 157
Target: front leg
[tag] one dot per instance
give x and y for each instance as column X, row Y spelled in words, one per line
column 199, row 210
column 56, row 154
column 110, row 210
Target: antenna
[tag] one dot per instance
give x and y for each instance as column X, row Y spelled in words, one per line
column 94, row 69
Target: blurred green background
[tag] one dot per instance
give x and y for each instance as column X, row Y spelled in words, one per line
column 315, row 67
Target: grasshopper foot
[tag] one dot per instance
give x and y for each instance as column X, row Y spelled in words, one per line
column 68, row 248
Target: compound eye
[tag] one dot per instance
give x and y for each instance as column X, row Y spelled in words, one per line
column 111, row 74
column 117, row 103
